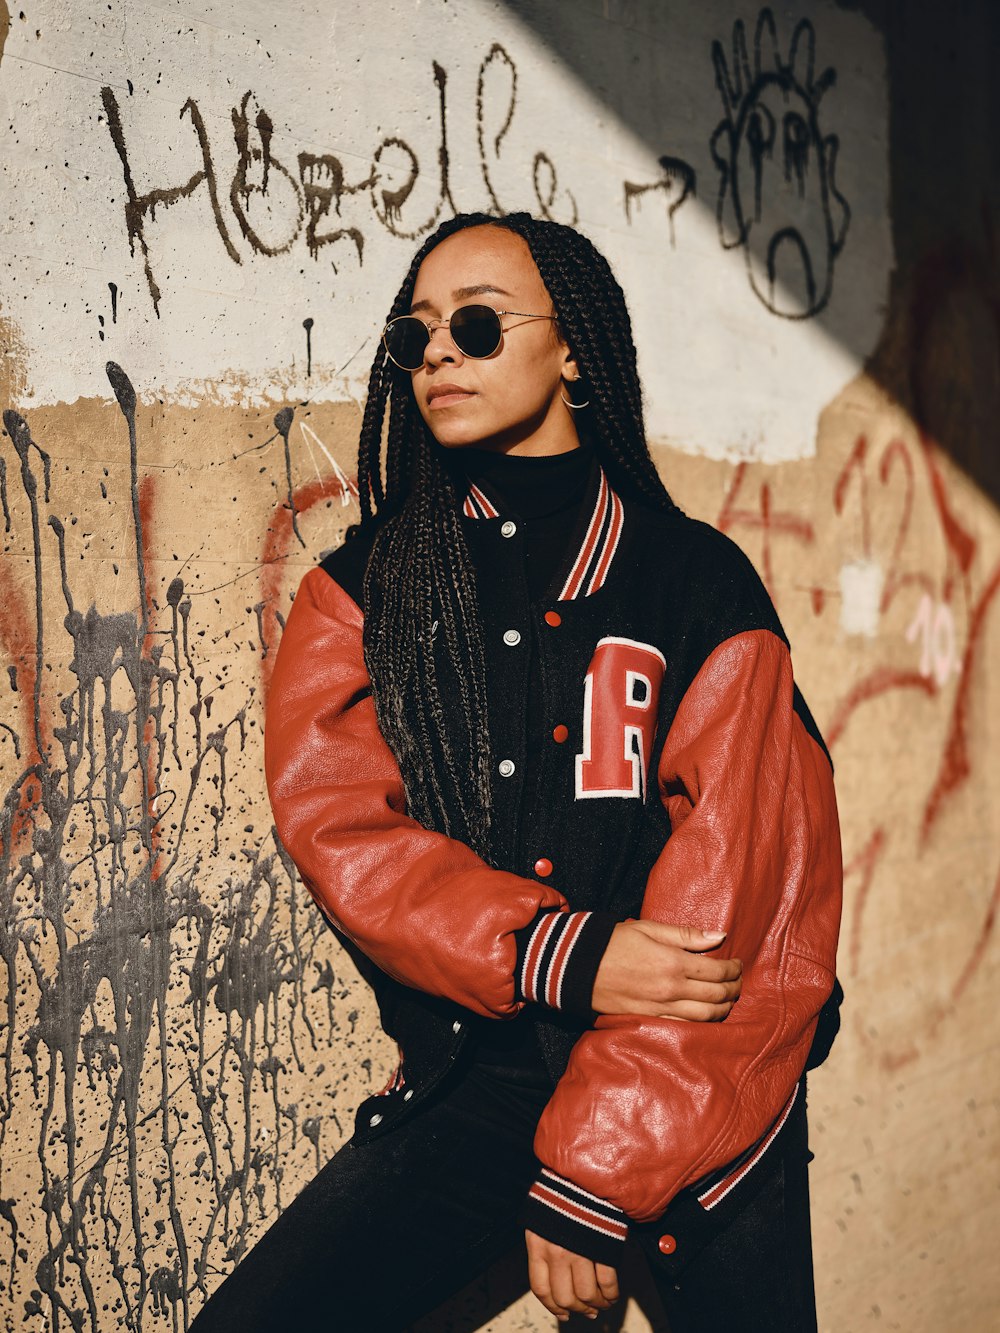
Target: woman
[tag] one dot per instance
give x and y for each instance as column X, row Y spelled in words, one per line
column 531, row 732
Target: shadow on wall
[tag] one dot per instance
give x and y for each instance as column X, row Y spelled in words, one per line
column 939, row 352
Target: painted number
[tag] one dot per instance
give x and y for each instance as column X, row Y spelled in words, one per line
column 935, row 625
column 620, row 697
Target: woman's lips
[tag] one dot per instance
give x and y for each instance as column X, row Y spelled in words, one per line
column 449, row 399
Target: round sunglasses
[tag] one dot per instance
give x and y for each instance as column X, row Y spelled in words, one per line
column 475, row 330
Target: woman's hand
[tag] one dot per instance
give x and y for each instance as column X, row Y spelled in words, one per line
column 658, row 970
column 564, row 1281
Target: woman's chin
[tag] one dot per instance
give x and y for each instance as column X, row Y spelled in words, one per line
column 455, row 437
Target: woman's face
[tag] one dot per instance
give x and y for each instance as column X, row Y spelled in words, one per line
column 509, row 401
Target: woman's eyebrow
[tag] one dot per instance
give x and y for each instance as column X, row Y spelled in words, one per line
column 460, row 293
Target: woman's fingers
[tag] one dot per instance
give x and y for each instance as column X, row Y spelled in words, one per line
column 678, row 947
column 698, row 1001
column 607, row 1280
column 644, row 970
column 680, row 937
column 695, row 1011
column 709, row 992
column 568, row 1283
column 541, row 1285
column 575, row 1286
column 712, row 969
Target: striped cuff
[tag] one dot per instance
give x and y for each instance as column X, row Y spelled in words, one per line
column 569, row 1216
column 558, row 956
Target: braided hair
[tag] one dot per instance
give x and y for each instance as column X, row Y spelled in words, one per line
column 423, row 639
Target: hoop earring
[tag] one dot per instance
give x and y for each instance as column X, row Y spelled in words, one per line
column 575, row 407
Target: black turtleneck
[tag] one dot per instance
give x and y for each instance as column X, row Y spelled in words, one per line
column 544, row 491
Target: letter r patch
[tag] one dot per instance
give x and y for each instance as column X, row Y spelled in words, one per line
column 621, row 694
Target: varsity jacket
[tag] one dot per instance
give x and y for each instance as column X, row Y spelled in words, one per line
column 682, row 778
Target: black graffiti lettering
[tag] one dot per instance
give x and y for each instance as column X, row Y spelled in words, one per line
column 307, row 324
column 323, row 188
column 393, row 179
column 3, row 502
column 392, row 184
column 283, row 425
column 677, row 184
column 544, row 178
column 546, row 183
column 796, row 150
column 137, row 206
column 273, row 205
column 496, row 55
column 777, row 169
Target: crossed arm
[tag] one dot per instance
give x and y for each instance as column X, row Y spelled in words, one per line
column 424, row 907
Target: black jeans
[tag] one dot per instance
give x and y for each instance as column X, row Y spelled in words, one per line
column 390, row 1229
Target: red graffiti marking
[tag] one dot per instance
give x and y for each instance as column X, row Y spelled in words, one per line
column 147, row 502
column 855, row 464
column 892, row 475
column 961, row 542
column 864, row 863
column 955, row 766
column 767, row 521
column 17, row 635
column 277, row 545
column 979, row 948
column 955, row 268
column 880, row 681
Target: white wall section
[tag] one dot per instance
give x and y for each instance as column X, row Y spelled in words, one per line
column 236, row 171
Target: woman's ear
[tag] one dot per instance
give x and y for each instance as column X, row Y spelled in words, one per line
column 570, row 370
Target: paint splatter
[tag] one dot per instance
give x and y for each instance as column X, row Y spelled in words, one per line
column 159, row 958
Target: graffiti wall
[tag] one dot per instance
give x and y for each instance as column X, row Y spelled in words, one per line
column 208, row 209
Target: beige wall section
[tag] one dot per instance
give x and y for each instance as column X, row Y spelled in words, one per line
column 184, row 1044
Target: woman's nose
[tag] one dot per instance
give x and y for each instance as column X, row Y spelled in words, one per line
column 440, row 347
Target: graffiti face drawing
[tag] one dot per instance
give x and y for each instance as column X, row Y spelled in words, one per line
column 777, row 196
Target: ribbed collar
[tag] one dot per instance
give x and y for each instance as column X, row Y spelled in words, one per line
column 525, row 485
column 555, row 479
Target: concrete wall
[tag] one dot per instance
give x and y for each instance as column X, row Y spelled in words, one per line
column 207, row 209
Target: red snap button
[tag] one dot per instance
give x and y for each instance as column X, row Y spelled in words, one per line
column 553, row 618
column 667, row 1244
column 543, row 866
column 560, row 733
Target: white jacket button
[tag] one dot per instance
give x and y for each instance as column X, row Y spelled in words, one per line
column 456, row 1026
column 508, row 528
column 506, row 768
column 511, row 637
column 375, row 1120
column 407, row 1094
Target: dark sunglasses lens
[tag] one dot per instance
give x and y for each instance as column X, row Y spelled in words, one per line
column 476, row 330
column 406, row 341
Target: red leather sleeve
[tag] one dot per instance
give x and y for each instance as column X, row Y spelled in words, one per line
column 424, row 907
column 648, row 1105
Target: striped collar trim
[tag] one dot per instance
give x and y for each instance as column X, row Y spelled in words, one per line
column 592, row 565
column 478, row 504
column 600, row 542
